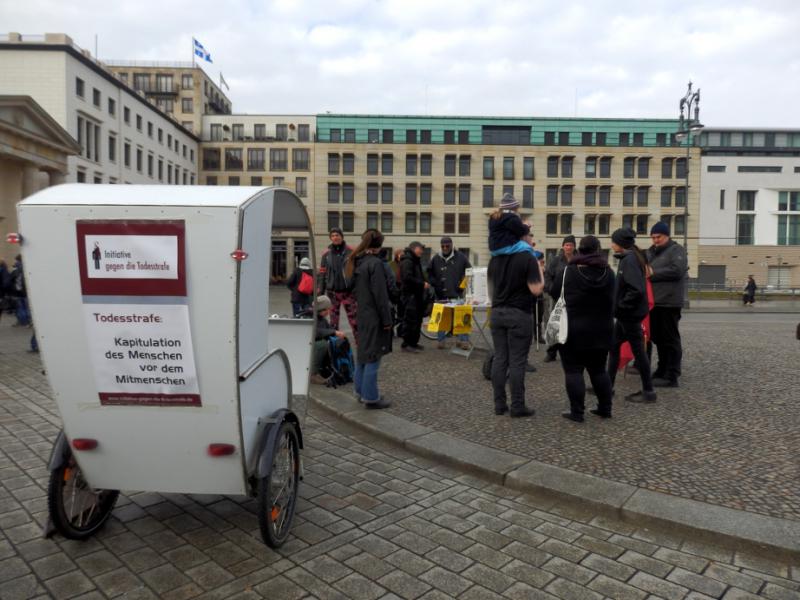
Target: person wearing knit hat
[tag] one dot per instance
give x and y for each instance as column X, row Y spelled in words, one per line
column 333, row 282
column 446, row 273
column 506, row 229
column 320, row 365
column 413, row 286
column 301, row 286
column 669, row 271
column 553, row 271
column 630, row 308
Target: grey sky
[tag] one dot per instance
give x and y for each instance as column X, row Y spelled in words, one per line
column 619, row 58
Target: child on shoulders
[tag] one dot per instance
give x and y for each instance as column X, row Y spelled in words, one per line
column 506, row 229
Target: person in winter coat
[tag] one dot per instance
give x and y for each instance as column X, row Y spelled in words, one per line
column 506, row 229
column 333, row 282
column 668, row 273
column 5, row 287
column 588, row 288
column 630, row 307
column 750, row 291
column 368, row 275
column 19, row 291
column 554, row 271
column 324, row 330
column 445, row 274
column 413, row 286
column 301, row 284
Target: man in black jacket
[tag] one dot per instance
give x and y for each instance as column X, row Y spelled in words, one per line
column 554, row 271
column 445, row 274
column 669, row 270
column 333, row 282
column 413, row 286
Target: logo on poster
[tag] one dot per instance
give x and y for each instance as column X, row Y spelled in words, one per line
column 132, row 256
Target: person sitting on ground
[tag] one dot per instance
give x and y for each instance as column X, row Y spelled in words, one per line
column 588, row 287
column 506, row 229
column 630, row 308
column 324, row 331
column 301, row 284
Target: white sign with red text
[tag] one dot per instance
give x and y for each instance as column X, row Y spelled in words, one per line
column 131, row 256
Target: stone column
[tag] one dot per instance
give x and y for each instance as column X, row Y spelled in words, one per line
column 57, row 177
column 30, row 175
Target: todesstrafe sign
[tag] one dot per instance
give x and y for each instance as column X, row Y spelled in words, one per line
column 133, row 283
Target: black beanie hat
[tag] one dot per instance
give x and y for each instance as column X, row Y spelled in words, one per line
column 625, row 237
column 335, row 230
column 570, row 239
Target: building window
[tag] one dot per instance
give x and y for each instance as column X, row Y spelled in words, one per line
column 425, row 136
column 717, row 168
column 425, row 164
column 387, row 222
column 680, row 225
column 411, row 164
column 336, row 136
column 126, row 154
column 139, row 122
column 563, row 138
column 126, row 115
column 388, row 136
column 758, row 169
column 372, row 164
column 552, row 195
column 464, row 191
column 463, row 136
column 666, row 196
column 627, row 195
column 348, row 164
column 350, row 136
column 666, row 168
column 552, row 166
column 680, row 197
column 387, row 164
column 372, row 193
column 641, row 224
column 372, row 220
column 642, row 195
column 255, row 159
column 333, row 164
column 604, row 225
column 589, row 224
column 566, row 166
column 112, row 148
column 411, row 222
column 661, row 139
column 255, row 180
column 549, row 138
column 566, row 224
column 627, row 221
column 551, row 224
column 348, row 193
column 216, row 132
column 488, row 196
column 450, row 193
column 449, row 136
column 300, row 159
column 590, row 196
column 233, row 159
column 278, row 159
column 411, row 193
column 508, row 167
column 372, row 136
column 464, row 165
column 187, row 105
column 411, row 136
column 604, row 196
column 425, row 193
column 211, row 180
column 722, row 199
column 746, row 200
column 680, row 168
column 591, row 166
column 259, row 131
column 450, row 165
column 425, row 220
column 643, row 168
column 333, row 193
column 139, row 156
column 237, row 132
column 277, row 181
column 301, row 187
column 527, row 167
column 80, row 87
column 333, row 220
column 81, row 176
column 566, row 195
column 508, row 189
column 624, row 139
column 586, row 138
column 627, row 167
column 600, row 138
column 387, row 193
column 281, row 132
column 303, row 133
column 187, row 82
column 488, row 167
column 527, row 196
column 463, row 222
column 211, row 159
column 112, row 107
column 449, row 223
column 638, row 139
column 149, row 165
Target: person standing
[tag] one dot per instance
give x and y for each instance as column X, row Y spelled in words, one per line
column 630, row 308
column 333, row 282
column 750, row 291
column 668, row 273
column 301, row 284
column 368, row 275
column 553, row 272
column 445, row 274
column 514, row 280
column 19, row 291
column 413, row 286
column 588, row 287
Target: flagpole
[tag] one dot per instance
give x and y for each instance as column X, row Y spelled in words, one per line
column 193, row 52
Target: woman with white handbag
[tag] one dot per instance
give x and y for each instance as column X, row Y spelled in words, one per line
column 584, row 325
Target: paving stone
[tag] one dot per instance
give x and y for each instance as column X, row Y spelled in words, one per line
column 597, row 546
column 280, row 588
column 645, row 563
column 660, row 587
column 369, row 565
column 404, row 585
column 737, row 594
column 777, row 592
column 527, row 573
column 452, row 561
column 477, row 592
column 11, row 568
column 69, row 585
column 569, row 590
column 566, row 551
column 613, row 588
column 164, row 578
column 98, row 563
column 314, row 585
column 446, row 581
column 487, row 556
column 527, row 554
column 493, row 579
column 697, row 583
column 609, row 567
column 20, row 588
column 733, row 578
column 117, row 582
column 409, row 562
column 759, row 563
column 569, row 570
column 522, row 591
column 327, row 569
column 689, row 562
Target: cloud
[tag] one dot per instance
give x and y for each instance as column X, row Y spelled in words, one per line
column 625, row 58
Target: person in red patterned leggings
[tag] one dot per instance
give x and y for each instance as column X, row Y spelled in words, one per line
column 333, row 282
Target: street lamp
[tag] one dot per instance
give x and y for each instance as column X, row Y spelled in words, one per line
column 688, row 125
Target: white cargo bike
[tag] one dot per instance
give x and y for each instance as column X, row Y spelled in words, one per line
column 151, row 308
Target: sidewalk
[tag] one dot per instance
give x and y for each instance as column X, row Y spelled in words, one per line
column 736, row 306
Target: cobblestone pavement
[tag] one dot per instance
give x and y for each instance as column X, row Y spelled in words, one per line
column 728, row 436
column 374, row 522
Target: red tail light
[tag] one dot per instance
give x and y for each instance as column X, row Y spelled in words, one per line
column 14, row 238
column 84, row 444
column 239, row 254
column 221, row 449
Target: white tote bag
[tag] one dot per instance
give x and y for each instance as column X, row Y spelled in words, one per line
column 556, row 330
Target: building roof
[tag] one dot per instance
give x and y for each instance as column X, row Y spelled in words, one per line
column 42, row 127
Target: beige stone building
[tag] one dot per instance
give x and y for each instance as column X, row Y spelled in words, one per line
column 180, row 89
column 33, row 155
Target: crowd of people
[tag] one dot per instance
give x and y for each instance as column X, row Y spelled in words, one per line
column 615, row 316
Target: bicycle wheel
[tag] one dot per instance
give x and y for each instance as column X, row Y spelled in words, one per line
column 277, row 491
column 76, row 509
column 431, row 335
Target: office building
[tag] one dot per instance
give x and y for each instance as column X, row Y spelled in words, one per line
column 264, row 150
column 180, row 89
column 419, row 178
column 123, row 137
column 750, row 207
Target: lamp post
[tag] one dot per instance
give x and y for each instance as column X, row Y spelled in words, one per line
column 688, row 125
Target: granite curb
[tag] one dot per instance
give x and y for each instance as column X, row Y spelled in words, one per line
column 625, row 501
